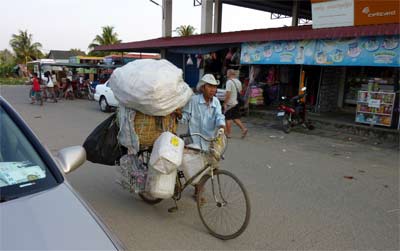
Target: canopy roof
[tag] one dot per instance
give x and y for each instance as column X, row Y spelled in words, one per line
column 261, row 35
column 283, row 7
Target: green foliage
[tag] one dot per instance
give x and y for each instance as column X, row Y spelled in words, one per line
column 13, row 81
column 6, row 70
column 24, row 47
column 6, row 57
column 107, row 37
column 185, row 30
column 78, row 51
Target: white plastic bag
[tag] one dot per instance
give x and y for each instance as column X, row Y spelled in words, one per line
column 153, row 87
column 167, row 153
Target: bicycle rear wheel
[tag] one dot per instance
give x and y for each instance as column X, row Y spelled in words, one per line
column 223, row 205
column 146, row 197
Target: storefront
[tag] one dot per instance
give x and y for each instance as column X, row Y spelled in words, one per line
column 328, row 61
column 358, row 74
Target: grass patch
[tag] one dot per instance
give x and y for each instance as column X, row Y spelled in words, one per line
column 13, row 81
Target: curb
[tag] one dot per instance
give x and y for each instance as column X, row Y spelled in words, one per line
column 390, row 135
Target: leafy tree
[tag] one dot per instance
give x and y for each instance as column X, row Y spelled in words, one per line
column 6, row 57
column 185, row 30
column 7, row 62
column 78, row 51
column 24, row 47
column 108, row 37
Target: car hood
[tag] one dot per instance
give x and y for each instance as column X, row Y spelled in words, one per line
column 51, row 220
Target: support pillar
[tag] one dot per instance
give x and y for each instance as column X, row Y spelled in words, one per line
column 206, row 16
column 217, row 16
column 166, row 18
column 295, row 13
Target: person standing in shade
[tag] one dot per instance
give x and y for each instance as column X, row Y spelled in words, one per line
column 231, row 106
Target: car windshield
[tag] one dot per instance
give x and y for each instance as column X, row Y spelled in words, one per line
column 22, row 171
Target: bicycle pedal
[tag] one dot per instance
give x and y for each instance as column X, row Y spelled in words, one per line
column 173, row 209
column 181, row 175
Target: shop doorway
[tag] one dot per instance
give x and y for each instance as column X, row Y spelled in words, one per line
column 312, row 81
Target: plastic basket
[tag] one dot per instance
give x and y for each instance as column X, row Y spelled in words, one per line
column 149, row 128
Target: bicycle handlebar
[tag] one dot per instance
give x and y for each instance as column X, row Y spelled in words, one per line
column 220, row 131
column 197, row 134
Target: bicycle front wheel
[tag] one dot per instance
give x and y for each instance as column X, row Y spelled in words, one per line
column 223, row 205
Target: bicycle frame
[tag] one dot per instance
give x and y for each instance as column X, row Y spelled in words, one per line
column 179, row 187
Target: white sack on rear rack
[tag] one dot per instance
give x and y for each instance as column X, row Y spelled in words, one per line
column 153, row 87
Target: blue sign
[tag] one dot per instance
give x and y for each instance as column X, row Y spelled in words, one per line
column 364, row 51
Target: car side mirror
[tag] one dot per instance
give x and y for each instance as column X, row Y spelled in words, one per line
column 70, row 158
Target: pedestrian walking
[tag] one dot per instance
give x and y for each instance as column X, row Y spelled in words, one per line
column 36, row 94
column 50, row 85
column 231, row 104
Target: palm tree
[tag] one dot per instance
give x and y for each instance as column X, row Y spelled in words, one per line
column 185, row 30
column 106, row 38
column 24, row 48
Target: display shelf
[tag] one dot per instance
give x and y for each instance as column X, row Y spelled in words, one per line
column 350, row 101
column 383, row 114
column 375, row 108
column 366, row 102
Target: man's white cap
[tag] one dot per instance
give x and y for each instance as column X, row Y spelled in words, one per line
column 207, row 79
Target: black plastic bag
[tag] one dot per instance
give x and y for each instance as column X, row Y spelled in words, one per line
column 102, row 144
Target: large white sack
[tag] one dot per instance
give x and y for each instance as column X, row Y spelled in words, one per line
column 153, row 87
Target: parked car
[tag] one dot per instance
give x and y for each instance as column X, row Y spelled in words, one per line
column 39, row 210
column 105, row 96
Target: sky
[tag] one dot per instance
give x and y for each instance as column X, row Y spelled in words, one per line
column 67, row 24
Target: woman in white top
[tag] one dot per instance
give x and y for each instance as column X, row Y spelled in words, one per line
column 49, row 85
column 231, row 107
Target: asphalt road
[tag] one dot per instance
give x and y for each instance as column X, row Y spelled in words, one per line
column 299, row 185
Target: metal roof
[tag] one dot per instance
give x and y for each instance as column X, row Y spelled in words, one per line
column 72, row 65
column 283, row 7
column 260, row 35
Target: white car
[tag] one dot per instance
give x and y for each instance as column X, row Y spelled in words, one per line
column 39, row 210
column 105, row 96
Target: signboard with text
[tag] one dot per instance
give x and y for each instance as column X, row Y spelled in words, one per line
column 376, row 12
column 332, row 14
column 338, row 13
column 364, row 51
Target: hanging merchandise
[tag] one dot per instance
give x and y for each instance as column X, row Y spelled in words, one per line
column 236, row 57
column 256, row 96
column 189, row 60
column 229, row 55
column 199, row 61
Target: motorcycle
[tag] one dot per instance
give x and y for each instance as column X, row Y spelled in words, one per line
column 292, row 112
column 83, row 90
column 91, row 91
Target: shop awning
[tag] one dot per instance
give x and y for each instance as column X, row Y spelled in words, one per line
column 259, row 35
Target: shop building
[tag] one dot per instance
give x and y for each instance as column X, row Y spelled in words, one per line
column 334, row 63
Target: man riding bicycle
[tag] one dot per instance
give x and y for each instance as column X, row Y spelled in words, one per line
column 203, row 113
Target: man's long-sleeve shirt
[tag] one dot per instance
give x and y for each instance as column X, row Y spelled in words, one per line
column 202, row 118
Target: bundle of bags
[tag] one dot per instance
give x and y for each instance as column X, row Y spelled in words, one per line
column 153, row 87
column 149, row 91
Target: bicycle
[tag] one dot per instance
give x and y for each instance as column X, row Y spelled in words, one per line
column 216, row 204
